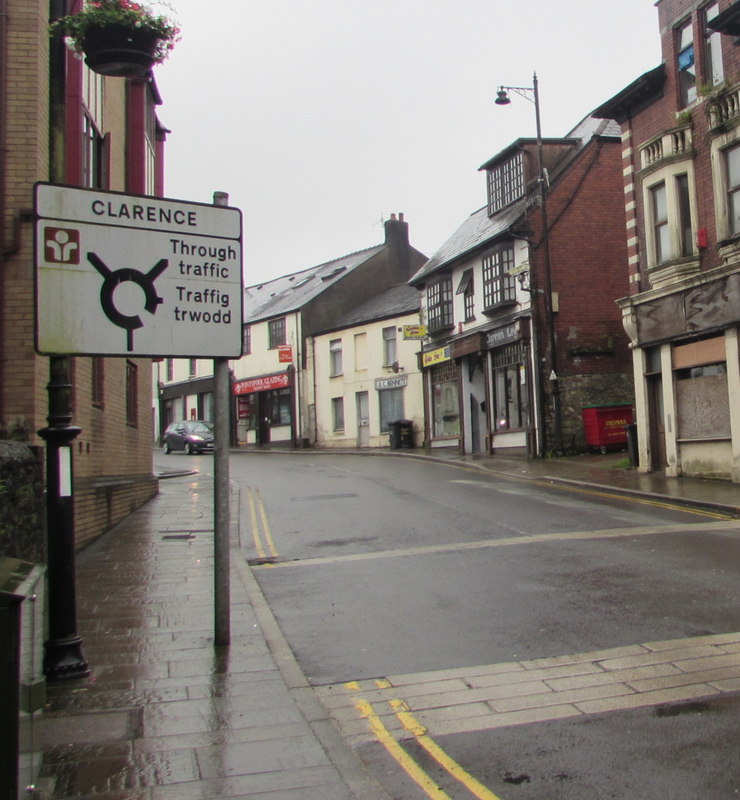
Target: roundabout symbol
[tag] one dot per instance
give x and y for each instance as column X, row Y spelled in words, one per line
column 112, row 279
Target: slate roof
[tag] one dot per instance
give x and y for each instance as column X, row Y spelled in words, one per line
column 393, row 302
column 479, row 228
column 291, row 292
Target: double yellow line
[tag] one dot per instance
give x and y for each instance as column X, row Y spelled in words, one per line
column 257, row 512
column 404, row 760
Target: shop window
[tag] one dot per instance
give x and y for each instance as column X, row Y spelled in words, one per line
column 439, row 304
column 276, row 333
column 702, row 398
column 686, row 64
column 702, row 402
column 510, row 390
column 337, row 413
column 445, row 402
column 391, row 407
column 279, row 404
column 247, row 409
column 390, row 355
column 335, row 358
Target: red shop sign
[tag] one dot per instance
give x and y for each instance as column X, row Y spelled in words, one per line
column 285, row 354
column 279, row 381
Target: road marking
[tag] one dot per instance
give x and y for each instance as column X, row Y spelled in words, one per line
column 732, row 526
column 413, row 726
column 404, row 760
column 256, row 504
column 419, row 732
column 486, row 697
column 552, row 484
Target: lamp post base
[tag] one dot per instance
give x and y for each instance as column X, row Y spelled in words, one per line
column 63, row 659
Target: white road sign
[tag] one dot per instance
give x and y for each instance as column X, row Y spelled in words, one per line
column 121, row 274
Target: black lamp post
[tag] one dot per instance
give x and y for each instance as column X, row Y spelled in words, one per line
column 502, row 99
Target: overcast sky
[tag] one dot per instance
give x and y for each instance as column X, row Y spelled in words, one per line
column 320, row 118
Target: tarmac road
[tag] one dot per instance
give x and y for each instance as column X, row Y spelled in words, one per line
column 534, row 633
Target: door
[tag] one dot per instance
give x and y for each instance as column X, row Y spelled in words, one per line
column 264, row 415
column 656, row 421
column 363, row 419
column 474, row 425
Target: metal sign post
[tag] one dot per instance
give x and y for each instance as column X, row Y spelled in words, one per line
column 221, row 485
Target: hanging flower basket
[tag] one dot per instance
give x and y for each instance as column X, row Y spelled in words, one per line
column 119, row 38
column 120, row 52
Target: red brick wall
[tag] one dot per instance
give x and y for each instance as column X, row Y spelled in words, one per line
column 112, row 460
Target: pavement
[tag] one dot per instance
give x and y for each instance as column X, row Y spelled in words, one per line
column 166, row 714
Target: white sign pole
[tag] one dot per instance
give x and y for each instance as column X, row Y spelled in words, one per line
column 221, row 486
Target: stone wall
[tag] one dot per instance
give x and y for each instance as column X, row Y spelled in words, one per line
column 22, row 526
column 580, row 391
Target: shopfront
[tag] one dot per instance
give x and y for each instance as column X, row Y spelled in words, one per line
column 510, row 387
column 264, row 410
column 443, row 397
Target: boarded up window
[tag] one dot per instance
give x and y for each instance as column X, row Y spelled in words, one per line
column 703, row 403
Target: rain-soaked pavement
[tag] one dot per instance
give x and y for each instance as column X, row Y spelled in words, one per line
column 165, row 714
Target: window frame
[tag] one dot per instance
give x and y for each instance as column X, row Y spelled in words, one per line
column 336, row 365
column 337, row 414
column 679, row 224
column 505, row 183
column 732, row 191
column 97, row 381
column 396, row 398
column 499, row 286
column 686, row 55
column 714, row 63
column 440, row 311
column 390, row 346
column 276, row 333
column 246, row 340
column 132, row 394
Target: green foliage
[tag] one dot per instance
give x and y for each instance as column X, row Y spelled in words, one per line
column 102, row 13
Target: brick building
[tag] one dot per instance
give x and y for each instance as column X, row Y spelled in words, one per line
column 488, row 362
column 63, row 123
column 681, row 161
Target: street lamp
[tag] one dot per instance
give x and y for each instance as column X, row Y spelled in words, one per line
column 502, row 99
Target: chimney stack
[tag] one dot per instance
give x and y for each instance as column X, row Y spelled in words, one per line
column 397, row 238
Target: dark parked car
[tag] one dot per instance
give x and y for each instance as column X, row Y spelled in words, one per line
column 192, row 436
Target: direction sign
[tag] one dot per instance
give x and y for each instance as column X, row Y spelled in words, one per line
column 121, row 274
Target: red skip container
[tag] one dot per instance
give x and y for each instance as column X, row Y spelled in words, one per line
column 605, row 426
